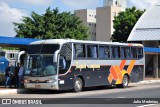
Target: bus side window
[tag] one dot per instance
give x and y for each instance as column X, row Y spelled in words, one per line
column 140, row 52
column 104, row 52
column 79, row 51
column 128, row 52
column 122, row 52
column 65, row 58
column 115, row 51
column 133, row 52
column 92, row 51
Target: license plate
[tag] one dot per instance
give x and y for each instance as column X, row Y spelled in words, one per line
column 37, row 86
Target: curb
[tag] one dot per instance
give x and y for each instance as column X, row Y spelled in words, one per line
column 146, row 82
column 12, row 91
column 8, row 91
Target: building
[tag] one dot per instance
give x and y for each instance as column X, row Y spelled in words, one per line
column 120, row 3
column 100, row 21
column 88, row 17
column 105, row 17
column 147, row 30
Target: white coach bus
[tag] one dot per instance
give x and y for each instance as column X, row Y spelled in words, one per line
column 63, row 64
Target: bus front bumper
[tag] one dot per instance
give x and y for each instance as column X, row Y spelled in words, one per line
column 50, row 86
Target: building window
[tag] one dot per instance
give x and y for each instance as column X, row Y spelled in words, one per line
column 94, row 25
column 114, row 14
column 95, row 16
column 116, row 3
column 90, row 24
column 89, row 15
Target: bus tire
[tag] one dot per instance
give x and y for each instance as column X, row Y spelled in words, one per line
column 125, row 82
column 78, row 84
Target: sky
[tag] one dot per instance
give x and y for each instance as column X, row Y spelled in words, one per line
column 14, row 10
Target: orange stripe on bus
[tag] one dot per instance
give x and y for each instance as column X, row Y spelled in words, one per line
column 122, row 64
column 110, row 78
column 119, row 73
column 130, row 67
column 113, row 72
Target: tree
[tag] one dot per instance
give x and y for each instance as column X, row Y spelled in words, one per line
column 51, row 25
column 124, row 23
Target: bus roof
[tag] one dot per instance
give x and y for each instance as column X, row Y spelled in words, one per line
column 62, row 41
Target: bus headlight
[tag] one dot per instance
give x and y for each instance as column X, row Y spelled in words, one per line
column 50, row 81
column 26, row 81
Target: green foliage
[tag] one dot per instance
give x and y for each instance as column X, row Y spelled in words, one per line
column 52, row 25
column 124, row 23
column 2, row 78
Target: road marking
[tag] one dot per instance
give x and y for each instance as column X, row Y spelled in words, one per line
column 147, row 105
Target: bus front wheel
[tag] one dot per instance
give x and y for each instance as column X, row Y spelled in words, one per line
column 124, row 82
column 78, row 85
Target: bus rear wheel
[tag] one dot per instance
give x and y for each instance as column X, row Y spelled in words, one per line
column 78, row 85
column 124, row 82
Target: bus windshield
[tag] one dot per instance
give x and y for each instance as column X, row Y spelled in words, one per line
column 40, row 61
column 40, row 65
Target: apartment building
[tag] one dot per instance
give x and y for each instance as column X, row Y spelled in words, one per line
column 105, row 17
column 100, row 21
column 88, row 17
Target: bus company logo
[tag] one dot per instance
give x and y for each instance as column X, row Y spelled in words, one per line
column 6, row 101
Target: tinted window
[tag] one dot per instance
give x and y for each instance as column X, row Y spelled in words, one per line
column 133, row 52
column 123, row 52
column 104, row 52
column 128, row 52
column 44, row 49
column 140, row 52
column 79, row 51
column 34, row 49
column 65, row 58
column 49, row 48
column 115, row 51
column 92, row 51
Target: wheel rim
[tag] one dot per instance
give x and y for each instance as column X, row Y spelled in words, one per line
column 125, row 81
column 78, row 85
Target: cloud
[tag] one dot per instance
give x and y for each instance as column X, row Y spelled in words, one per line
column 9, row 15
column 141, row 4
column 29, row 2
column 81, row 4
column 35, row 2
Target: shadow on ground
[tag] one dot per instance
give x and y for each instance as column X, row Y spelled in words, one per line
column 37, row 91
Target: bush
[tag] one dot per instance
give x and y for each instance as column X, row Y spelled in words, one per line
column 2, row 78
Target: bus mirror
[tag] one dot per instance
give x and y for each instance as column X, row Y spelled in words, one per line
column 55, row 56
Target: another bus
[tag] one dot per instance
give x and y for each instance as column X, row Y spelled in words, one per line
column 63, row 64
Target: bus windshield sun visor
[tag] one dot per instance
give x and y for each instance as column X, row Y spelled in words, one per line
column 43, row 49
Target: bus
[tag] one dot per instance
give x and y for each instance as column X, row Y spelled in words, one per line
column 63, row 64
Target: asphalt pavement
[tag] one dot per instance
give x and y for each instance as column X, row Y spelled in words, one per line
column 89, row 95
